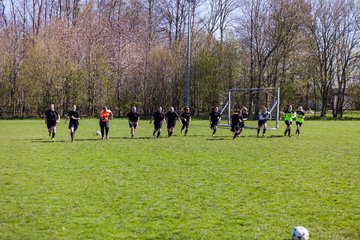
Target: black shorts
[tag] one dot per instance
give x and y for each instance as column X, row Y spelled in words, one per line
column 298, row 124
column 133, row 125
column 288, row 123
column 185, row 123
column 261, row 122
column 51, row 124
column 157, row 125
column 105, row 124
column 237, row 127
column 75, row 126
column 213, row 125
column 171, row 124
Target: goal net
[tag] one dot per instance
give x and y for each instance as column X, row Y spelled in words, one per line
column 254, row 99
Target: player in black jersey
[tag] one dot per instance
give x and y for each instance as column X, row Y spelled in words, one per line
column 238, row 122
column 74, row 116
column 51, row 118
column 185, row 119
column 172, row 117
column 159, row 118
column 133, row 118
column 263, row 117
column 214, row 118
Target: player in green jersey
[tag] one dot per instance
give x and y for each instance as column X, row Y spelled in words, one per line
column 289, row 115
column 300, row 115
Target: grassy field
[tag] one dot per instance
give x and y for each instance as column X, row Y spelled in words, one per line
column 193, row 187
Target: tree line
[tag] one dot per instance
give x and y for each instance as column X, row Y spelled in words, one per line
column 121, row 53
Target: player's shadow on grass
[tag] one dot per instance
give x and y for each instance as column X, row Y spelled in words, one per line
column 86, row 139
column 40, row 140
column 47, row 141
column 265, row 137
column 220, row 138
column 275, row 136
column 190, row 135
column 129, row 138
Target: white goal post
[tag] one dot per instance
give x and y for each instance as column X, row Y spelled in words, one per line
column 270, row 99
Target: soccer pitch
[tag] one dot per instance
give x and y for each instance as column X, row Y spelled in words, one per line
column 193, row 187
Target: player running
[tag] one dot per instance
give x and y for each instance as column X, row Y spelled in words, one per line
column 263, row 117
column 214, row 118
column 288, row 117
column 159, row 118
column 104, row 122
column 51, row 118
column 185, row 119
column 172, row 117
column 300, row 115
column 74, row 116
column 133, row 118
column 238, row 121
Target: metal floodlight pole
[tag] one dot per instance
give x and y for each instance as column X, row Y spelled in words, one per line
column 187, row 93
column 278, row 108
column 229, row 112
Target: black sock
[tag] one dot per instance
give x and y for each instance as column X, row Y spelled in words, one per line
column 285, row 132
column 158, row 134
column 107, row 132
column 53, row 135
column 289, row 132
column 235, row 135
column 186, row 130
column 264, row 130
column 154, row 132
column 72, row 136
column 258, row 131
column 214, row 131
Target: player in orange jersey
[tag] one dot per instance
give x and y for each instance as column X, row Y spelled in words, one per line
column 104, row 122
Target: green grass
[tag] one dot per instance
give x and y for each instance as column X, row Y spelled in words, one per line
column 193, row 187
column 348, row 115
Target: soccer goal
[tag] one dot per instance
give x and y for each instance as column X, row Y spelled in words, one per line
column 254, row 99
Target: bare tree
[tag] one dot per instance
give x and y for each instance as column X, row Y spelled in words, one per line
column 268, row 29
column 124, row 52
column 324, row 39
column 3, row 19
column 346, row 53
column 173, row 19
column 14, row 56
